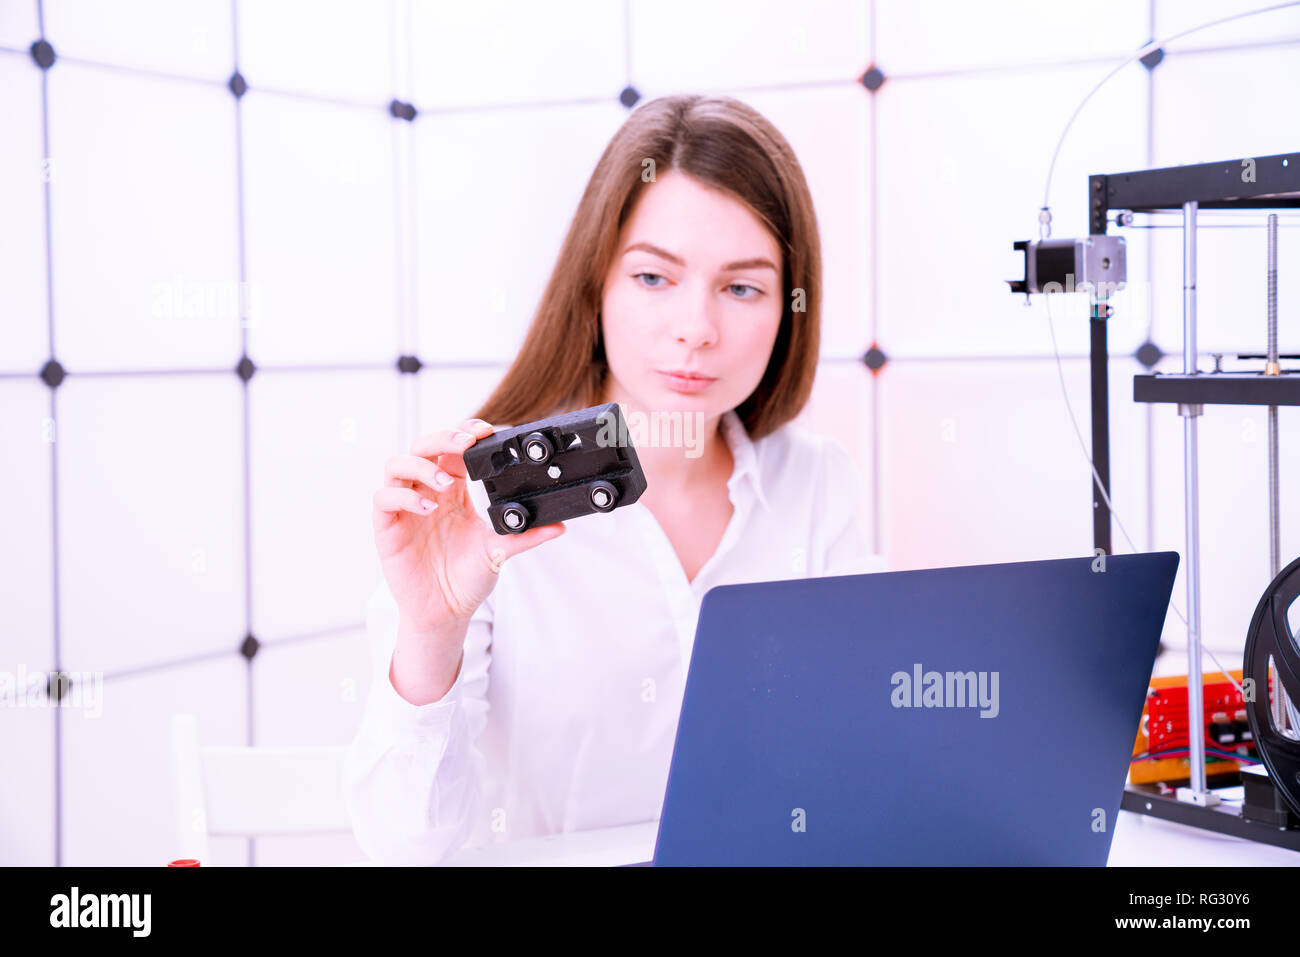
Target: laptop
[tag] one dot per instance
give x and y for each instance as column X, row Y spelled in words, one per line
column 982, row 715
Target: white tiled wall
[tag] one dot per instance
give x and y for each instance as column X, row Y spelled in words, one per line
column 150, row 514
column 495, row 191
column 319, row 231
column 192, row 39
column 157, row 509
column 142, row 201
column 317, row 445
column 22, row 240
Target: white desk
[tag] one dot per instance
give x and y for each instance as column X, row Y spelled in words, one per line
column 606, row 847
column 1139, row 840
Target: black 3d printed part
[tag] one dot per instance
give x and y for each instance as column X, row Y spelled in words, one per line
column 1270, row 637
column 558, row 468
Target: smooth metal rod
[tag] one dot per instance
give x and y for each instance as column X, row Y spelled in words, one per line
column 1190, row 413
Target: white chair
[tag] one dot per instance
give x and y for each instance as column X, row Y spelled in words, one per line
column 252, row 792
column 255, row 792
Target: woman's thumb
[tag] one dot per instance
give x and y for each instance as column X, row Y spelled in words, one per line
column 512, row 545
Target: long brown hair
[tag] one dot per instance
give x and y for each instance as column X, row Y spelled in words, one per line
column 722, row 143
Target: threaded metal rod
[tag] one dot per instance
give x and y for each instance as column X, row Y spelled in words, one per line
column 1279, row 704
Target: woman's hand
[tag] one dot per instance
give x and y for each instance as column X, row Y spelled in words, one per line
column 439, row 558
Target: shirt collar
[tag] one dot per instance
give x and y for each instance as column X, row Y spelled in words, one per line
column 743, row 453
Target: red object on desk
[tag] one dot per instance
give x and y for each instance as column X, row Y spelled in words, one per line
column 184, row 862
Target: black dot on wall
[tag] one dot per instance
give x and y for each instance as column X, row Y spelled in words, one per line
column 245, row 369
column 873, row 79
column 249, row 648
column 43, row 54
column 52, row 373
column 629, row 96
column 1152, row 59
column 58, row 685
column 875, row 359
column 403, row 111
column 237, row 84
column 1149, row 354
column 408, row 364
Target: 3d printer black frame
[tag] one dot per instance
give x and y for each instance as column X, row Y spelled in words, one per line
column 1273, row 182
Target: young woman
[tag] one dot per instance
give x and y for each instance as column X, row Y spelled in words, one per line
column 530, row 684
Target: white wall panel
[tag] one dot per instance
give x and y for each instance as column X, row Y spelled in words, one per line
column 318, row 443
column 963, row 165
column 24, row 331
column 496, row 194
column 704, row 45
column 498, row 51
column 191, row 39
column 18, row 24
column 1218, row 106
column 841, row 407
column 26, row 517
column 1175, row 16
column 143, row 208
column 26, row 624
column 27, row 825
column 980, row 463
column 1208, row 108
column 938, row 36
column 312, row 692
column 335, row 48
column 319, row 232
column 449, row 396
column 151, row 504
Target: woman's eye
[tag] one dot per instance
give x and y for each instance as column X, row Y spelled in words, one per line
column 741, row 290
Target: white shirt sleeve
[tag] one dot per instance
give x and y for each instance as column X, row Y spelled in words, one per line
column 413, row 774
column 843, row 545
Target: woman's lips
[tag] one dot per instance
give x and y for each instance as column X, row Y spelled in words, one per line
column 683, row 383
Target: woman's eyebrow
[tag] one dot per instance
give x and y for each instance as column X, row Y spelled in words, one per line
column 756, row 263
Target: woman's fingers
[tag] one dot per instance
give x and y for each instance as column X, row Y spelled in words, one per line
column 451, row 440
column 402, row 469
column 451, row 443
column 393, row 500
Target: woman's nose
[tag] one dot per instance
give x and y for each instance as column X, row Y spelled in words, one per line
column 694, row 324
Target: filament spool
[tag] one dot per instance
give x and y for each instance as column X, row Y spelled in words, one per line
column 1270, row 635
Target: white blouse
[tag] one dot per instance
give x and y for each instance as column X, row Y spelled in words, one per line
column 564, row 713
